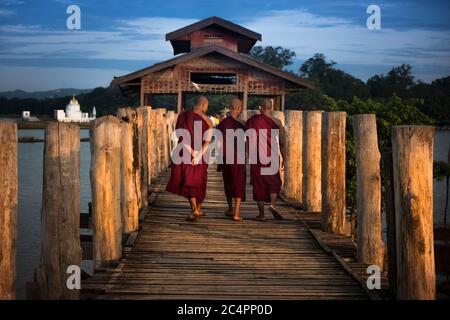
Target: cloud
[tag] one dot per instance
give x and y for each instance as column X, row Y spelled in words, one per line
column 6, row 13
column 347, row 42
column 142, row 39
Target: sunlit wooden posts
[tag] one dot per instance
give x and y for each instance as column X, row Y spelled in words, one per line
column 333, row 172
column 60, row 216
column 153, row 147
column 368, row 195
column 312, row 161
column 412, row 154
column 8, row 209
column 150, row 145
column 142, row 121
column 106, row 137
column 293, row 164
column 129, row 201
column 165, row 140
column 159, row 139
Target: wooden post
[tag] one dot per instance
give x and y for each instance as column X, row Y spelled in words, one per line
column 105, row 183
column 333, row 172
column 165, row 140
column 129, row 189
column 412, row 155
column 171, row 128
column 159, row 139
column 368, row 194
column 293, row 164
column 312, row 161
column 60, row 216
column 388, row 175
column 129, row 115
column 180, row 101
column 150, row 146
column 283, row 100
column 8, row 209
column 153, row 147
column 142, row 121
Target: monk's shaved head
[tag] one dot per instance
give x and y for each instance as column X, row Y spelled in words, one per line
column 235, row 104
column 267, row 104
column 202, row 103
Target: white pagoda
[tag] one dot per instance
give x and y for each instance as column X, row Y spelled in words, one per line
column 73, row 113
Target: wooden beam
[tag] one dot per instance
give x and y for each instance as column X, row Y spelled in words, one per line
column 412, row 156
column 105, row 183
column 60, row 217
column 8, row 209
column 368, row 194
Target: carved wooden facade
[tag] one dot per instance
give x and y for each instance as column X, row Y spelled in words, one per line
column 216, row 50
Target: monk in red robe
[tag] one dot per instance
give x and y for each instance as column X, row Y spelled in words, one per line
column 233, row 172
column 189, row 179
column 266, row 187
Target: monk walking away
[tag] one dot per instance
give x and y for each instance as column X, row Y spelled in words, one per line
column 266, row 187
column 233, row 171
column 189, row 179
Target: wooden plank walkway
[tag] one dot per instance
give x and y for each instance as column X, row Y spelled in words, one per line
column 217, row 258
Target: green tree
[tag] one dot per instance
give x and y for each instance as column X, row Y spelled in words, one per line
column 398, row 81
column 277, row 57
column 331, row 81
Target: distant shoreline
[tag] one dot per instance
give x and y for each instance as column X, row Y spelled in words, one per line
column 41, row 124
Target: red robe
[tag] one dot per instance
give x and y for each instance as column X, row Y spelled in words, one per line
column 263, row 185
column 186, row 179
column 234, row 174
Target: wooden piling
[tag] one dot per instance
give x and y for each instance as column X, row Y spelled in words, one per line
column 129, row 114
column 142, row 121
column 60, row 216
column 129, row 201
column 8, row 209
column 159, row 138
column 312, row 161
column 333, row 172
column 293, row 170
column 388, row 176
column 368, row 194
column 105, row 184
column 412, row 155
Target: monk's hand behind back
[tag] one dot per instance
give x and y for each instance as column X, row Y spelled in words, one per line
column 197, row 157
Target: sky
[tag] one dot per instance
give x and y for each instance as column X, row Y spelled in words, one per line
column 38, row 52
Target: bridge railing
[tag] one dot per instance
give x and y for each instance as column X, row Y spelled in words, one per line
column 130, row 150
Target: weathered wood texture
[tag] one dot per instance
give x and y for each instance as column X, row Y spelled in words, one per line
column 412, row 150
column 368, row 194
column 388, row 178
column 293, row 167
column 153, row 145
column 60, row 216
column 142, row 120
column 171, row 122
column 129, row 114
column 217, row 258
column 333, row 172
column 129, row 189
column 149, row 144
column 312, row 161
column 105, row 184
column 8, row 209
column 160, row 145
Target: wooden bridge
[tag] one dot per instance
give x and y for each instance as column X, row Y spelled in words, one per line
column 143, row 248
column 217, row 258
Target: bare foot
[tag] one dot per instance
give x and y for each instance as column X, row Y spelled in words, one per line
column 194, row 215
column 237, row 218
column 275, row 213
column 260, row 218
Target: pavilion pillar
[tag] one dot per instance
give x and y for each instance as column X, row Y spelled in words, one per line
column 148, row 99
column 180, row 102
column 283, row 99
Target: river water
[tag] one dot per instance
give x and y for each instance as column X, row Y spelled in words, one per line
column 30, row 197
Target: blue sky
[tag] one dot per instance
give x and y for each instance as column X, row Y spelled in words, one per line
column 37, row 52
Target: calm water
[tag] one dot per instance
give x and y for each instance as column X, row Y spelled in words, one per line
column 30, row 191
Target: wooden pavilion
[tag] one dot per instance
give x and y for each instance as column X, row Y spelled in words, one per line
column 212, row 56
